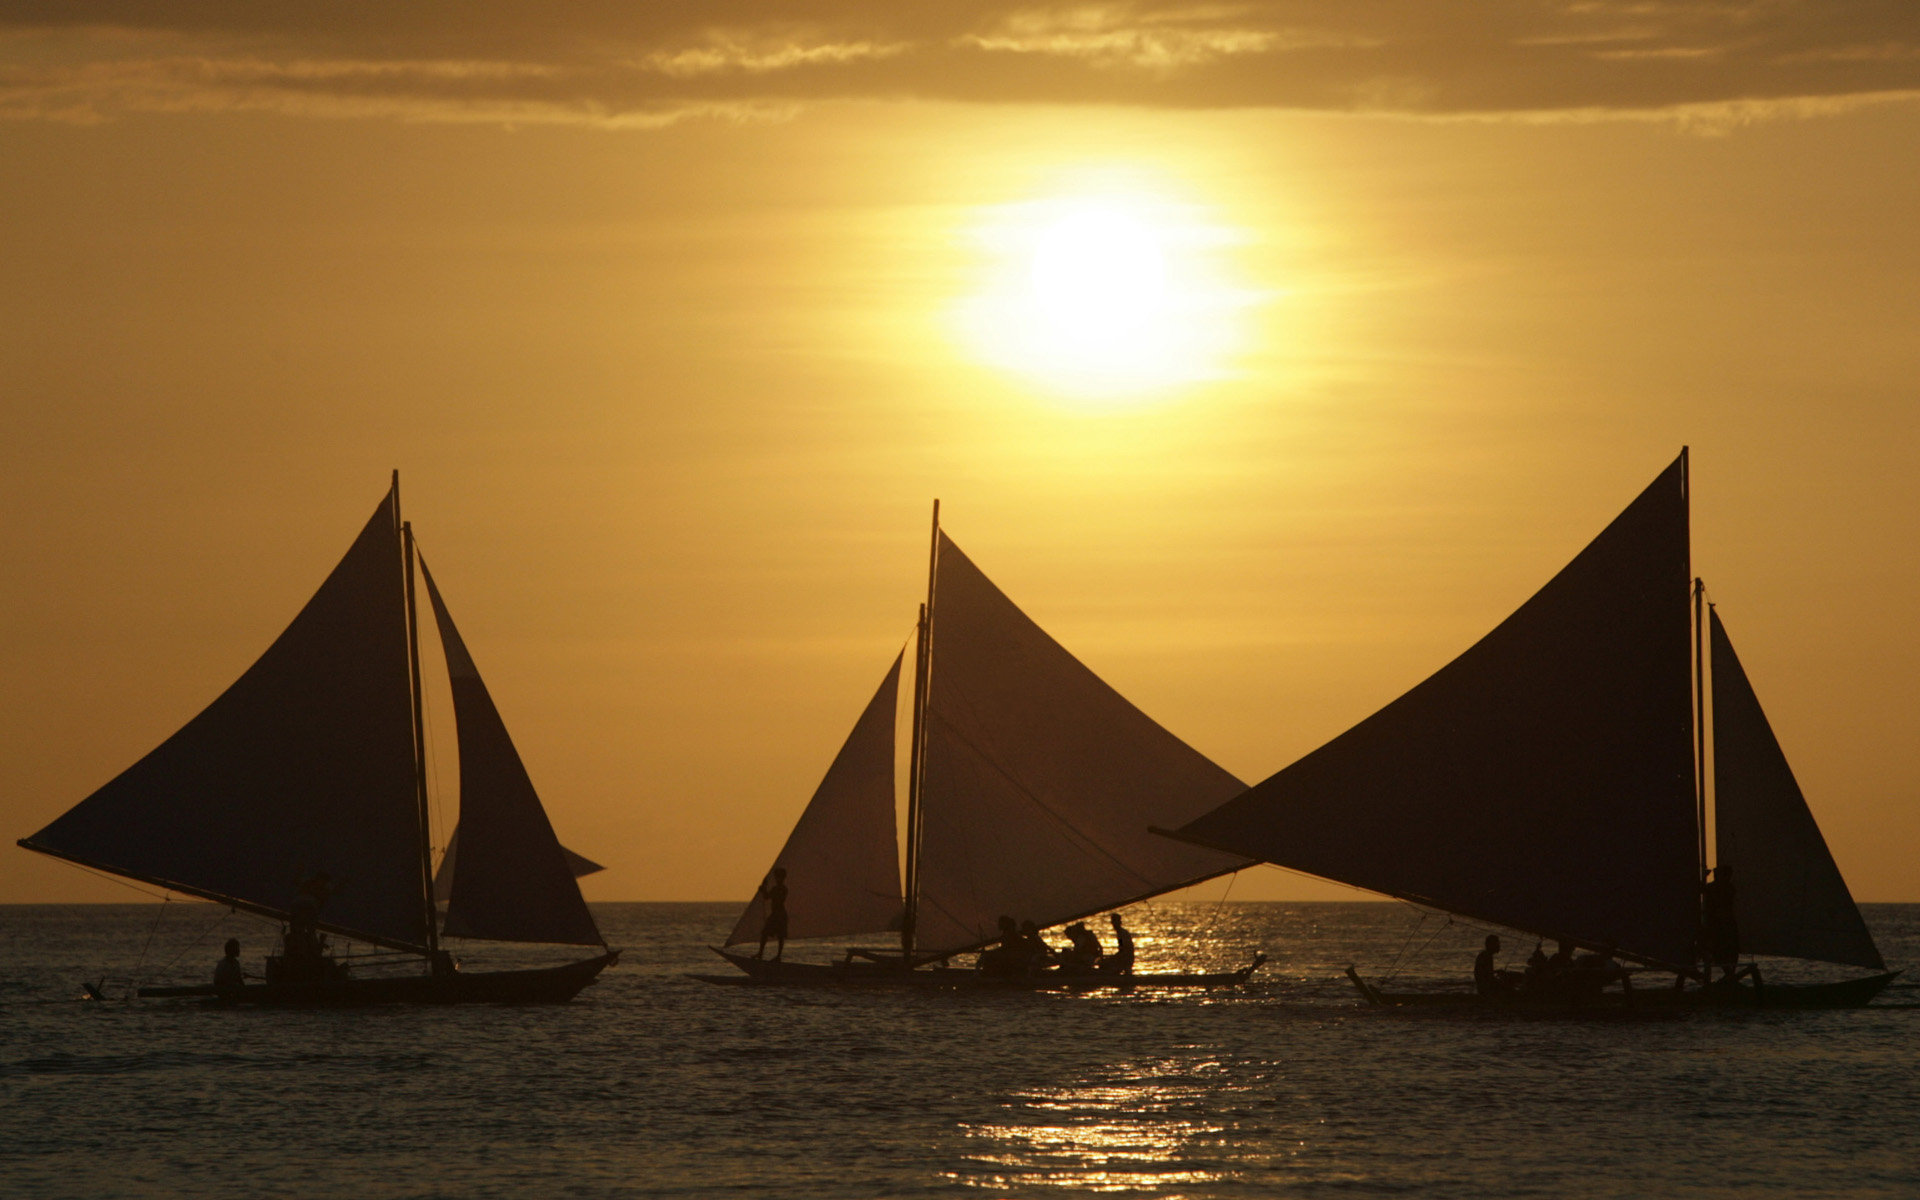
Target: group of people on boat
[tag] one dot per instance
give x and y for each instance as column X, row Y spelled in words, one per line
column 303, row 956
column 1021, row 951
column 1569, row 973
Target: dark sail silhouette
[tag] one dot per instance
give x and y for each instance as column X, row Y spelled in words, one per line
column 514, row 883
column 305, row 775
column 1788, row 895
column 304, row 765
column 1545, row 781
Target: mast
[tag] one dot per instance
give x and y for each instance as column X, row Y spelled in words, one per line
column 1700, row 759
column 1700, row 718
column 419, row 749
column 1699, row 714
column 923, row 657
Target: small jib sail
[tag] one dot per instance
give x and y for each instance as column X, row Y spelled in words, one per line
column 1030, row 791
column 443, row 873
column 1545, row 779
column 514, row 883
column 1789, row 899
column 309, row 766
column 843, row 858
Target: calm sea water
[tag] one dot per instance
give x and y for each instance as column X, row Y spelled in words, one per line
column 652, row 1084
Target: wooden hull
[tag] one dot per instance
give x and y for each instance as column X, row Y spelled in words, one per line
column 864, row 974
column 539, row 985
column 1848, row 993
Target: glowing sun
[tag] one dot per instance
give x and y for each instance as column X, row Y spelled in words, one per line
column 1104, row 295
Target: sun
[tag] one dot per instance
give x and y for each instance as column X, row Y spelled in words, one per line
column 1104, row 295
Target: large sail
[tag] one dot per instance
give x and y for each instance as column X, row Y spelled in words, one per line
column 1543, row 780
column 1039, row 780
column 514, row 883
column 304, row 766
column 842, row 858
column 1788, row 897
column 579, row 864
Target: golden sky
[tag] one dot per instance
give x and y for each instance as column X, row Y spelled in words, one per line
column 675, row 317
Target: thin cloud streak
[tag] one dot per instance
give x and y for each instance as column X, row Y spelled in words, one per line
column 623, row 64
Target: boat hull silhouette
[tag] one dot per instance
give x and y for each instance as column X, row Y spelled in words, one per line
column 861, row 973
column 538, row 985
column 1846, row 993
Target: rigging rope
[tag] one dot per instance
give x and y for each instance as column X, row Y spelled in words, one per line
column 1394, row 968
column 1213, row 916
column 140, row 962
column 219, row 923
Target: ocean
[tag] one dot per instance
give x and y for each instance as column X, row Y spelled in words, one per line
column 653, row 1084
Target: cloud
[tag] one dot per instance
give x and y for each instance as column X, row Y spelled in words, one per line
column 617, row 62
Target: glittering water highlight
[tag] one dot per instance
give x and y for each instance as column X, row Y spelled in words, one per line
column 652, row 1084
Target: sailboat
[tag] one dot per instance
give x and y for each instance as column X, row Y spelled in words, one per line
column 1552, row 780
column 300, row 795
column 1030, row 786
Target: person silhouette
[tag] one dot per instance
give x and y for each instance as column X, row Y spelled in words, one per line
column 1084, row 952
column 302, row 951
column 1720, row 926
column 774, row 891
column 1007, row 957
column 1488, row 979
column 228, row 978
column 1120, row 962
column 1039, row 955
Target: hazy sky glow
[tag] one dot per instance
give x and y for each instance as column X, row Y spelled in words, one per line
column 1268, row 354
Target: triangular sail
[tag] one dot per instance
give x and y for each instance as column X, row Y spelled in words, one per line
column 1788, row 896
column 304, row 766
column 1040, row 780
column 514, row 883
column 579, row 864
column 842, row 858
column 1543, row 780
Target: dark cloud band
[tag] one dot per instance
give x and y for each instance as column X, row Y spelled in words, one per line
column 626, row 63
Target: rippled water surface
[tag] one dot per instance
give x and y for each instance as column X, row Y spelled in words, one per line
column 653, row 1084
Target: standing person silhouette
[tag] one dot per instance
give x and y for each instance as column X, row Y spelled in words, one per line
column 1722, row 928
column 303, row 952
column 774, row 891
column 1120, row 962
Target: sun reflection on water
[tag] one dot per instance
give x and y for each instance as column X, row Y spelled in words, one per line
column 1133, row 1133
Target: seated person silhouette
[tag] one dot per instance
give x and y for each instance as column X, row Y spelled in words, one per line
column 1008, row 957
column 1489, row 980
column 228, row 977
column 1084, row 953
column 1037, row 955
